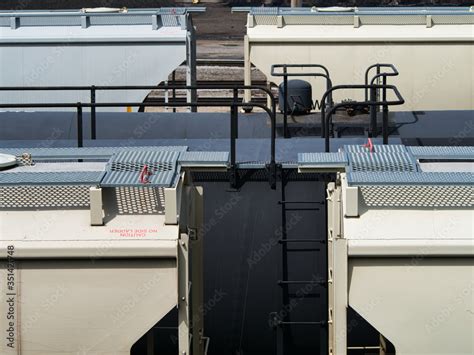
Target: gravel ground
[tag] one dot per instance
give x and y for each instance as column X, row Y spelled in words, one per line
column 212, row 73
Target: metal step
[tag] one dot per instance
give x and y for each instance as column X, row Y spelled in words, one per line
column 321, row 241
column 303, row 249
column 276, row 322
column 301, row 209
column 320, row 323
column 301, row 282
column 303, row 202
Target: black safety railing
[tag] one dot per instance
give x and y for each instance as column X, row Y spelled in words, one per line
column 375, row 93
column 285, row 74
column 234, row 103
column 371, row 103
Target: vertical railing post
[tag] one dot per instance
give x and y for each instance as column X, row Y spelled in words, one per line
column 377, row 97
column 80, row 143
column 323, row 121
column 272, row 167
column 235, row 112
column 93, row 113
column 167, row 96
column 326, row 134
column 385, row 112
column 285, row 102
column 233, row 138
column 173, row 80
column 323, row 111
column 273, row 132
column 373, row 113
column 366, row 90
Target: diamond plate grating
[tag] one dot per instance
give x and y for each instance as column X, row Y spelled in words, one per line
column 371, row 15
column 170, row 21
column 204, row 158
column 453, row 20
column 89, row 178
column 111, row 20
column 322, row 159
column 318, row 20
column 13, row 197
column 42, row 21
column 410, row 178
column 124, row 168
column 172, row 11
column 378, row 148
column 265, row 20
column 265, row 11
column 168, row 16
column 134, row 161
column 440, row 153
column 379, row 162
column 84, row 153
column 132, row 178
column 135, row 200
column 394, row 20
column 418, row 196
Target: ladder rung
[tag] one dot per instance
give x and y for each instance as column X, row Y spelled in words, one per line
column 303, row 249
column 303, row 202
column 302, row 323
column 309, row 295
column 301, row 282
column 322, row 241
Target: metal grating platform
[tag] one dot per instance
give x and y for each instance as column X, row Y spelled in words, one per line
column 139, row 200
column 410, row 178
column 377, row 162
column 125, row 167
column 83, row 153
column 203, row 159
column 383, row 158
column 442, row 153
column 378, row 148
column 87, row 178
column 132, row 179
column 438, row 196
column 134, row 161
column 390, row 176
column 320, row 160
column 39, row 196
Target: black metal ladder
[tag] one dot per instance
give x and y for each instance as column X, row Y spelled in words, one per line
column 282, row 321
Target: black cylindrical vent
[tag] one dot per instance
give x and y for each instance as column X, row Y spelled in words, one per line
column 299, row 97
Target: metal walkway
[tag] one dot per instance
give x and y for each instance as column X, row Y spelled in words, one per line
column 121, row 167
column 383, row 165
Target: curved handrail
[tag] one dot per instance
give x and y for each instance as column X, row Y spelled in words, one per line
column 394, row 72
column 400, row 101
column 275, row 66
